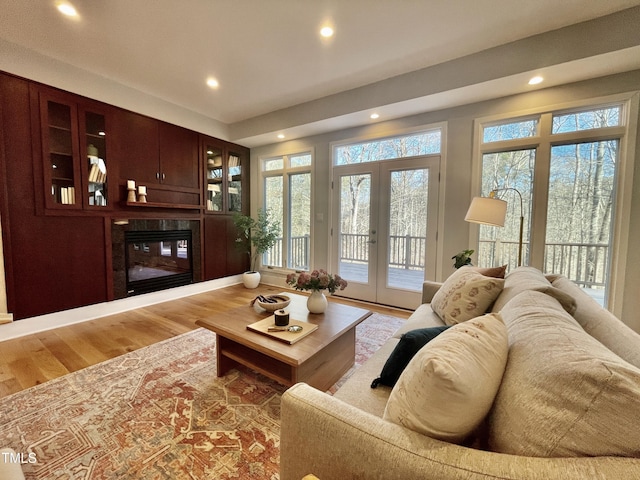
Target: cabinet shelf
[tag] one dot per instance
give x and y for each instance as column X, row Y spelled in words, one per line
column 173, row 206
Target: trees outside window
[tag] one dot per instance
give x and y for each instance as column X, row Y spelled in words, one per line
column 565, row 165
column 287, row 196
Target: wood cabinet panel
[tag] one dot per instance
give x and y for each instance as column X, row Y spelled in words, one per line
column 136, row 137
column 178, row 156
column 221, row 257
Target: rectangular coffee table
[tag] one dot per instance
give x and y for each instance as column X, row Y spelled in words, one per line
column 320, row 359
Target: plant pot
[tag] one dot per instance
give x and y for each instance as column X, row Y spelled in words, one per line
column 317, row 302
column 251, row 279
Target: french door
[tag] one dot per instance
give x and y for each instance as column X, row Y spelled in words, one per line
column 384, row 228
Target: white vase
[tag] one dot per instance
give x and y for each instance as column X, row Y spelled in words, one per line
column 317, row 302
column 251, row 279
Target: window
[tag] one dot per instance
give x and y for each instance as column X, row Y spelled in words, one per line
column 409, row 145
column 287, row 196
column 573, row 164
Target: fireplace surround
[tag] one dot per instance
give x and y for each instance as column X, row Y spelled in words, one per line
column 154, row 254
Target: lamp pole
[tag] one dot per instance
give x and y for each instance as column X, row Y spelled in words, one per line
column 492, row 195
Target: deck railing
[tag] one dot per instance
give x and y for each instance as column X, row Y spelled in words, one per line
column 586, row 264
column 299, row 248
column 405, row 251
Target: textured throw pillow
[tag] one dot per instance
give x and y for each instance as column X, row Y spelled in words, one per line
column 466, row 294
column 563, row 393
column 410, row 343
column 448, row 387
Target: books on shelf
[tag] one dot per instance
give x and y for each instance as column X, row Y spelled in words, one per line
column 98, row 171
column 234, row 161
column 67, row 195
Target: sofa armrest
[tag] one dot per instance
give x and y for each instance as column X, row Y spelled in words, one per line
column 429, row 289
column 333, row 440
column 10, row 467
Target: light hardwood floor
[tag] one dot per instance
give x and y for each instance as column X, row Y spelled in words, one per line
column 37, row 358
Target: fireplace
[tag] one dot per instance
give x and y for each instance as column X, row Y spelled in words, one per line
column 155, row 260
column 149, row 255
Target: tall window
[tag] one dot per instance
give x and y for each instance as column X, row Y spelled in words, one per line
column 564, row 163
column 287, row 196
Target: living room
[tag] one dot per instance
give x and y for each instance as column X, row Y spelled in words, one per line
column 456, row 95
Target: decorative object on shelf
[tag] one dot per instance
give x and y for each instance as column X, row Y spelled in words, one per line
column 255, row 237
column 271, row 303
column 131, row 187
column 317, row 281
column 493, row 211
column 142, row 194
column 463, row 258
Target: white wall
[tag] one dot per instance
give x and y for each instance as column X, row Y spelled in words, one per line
column 458, row 189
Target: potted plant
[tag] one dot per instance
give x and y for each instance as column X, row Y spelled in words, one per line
column 463, row 258
column 256, row 236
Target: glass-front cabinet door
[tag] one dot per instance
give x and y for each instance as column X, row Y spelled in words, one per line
column 215, row 178
column 74, row 148
column 225, row 173
column 60, row 152
column 234, row 162
column 94, row 150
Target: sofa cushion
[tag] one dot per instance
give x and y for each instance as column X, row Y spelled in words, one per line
column 563, row 394
column 526, row 279
column 449, row 386
column 466, row 294
column 423, row 317
column 410, row 343
column 602, row 324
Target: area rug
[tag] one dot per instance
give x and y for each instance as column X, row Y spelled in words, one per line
column 158, row 413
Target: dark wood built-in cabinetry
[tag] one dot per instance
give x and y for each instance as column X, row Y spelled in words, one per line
column 64, row 165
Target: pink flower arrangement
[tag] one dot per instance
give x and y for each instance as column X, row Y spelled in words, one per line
column 316, row 280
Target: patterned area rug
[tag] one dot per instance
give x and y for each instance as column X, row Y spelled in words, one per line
column 158, row 413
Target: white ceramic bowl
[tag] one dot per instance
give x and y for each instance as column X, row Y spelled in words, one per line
column 281, row 302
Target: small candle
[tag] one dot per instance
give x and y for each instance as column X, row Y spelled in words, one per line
column 131, row 185
column 142, row 190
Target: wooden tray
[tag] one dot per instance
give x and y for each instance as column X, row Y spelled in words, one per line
column 288, row 337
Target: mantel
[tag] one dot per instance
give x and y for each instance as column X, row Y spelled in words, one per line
column 178, row 206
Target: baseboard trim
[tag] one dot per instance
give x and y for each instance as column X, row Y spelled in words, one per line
column 41, row 323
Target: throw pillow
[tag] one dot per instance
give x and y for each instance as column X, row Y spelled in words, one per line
column 466, row 294
column 563, row 394
column 496, row 272
column 448, row 387
column 410, row 343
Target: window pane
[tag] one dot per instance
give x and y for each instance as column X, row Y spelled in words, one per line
column 514, row 169
column 300, row 223
column 355, row 204
column 588, row 120
column 510, row 131
column 274, row 164
column 273, row 204
column 300, row 160
column 423, row 143
column 408, row 229
column 580, row 210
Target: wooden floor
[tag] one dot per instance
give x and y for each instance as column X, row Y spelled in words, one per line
column 37, row 358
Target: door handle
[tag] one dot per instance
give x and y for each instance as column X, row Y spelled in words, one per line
column 372, row 241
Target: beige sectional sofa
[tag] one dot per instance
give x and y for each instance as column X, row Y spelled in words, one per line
column 567, row 405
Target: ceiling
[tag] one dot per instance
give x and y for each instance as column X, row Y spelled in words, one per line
column 272, row 64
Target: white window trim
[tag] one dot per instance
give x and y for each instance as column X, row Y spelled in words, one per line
column 624, row 181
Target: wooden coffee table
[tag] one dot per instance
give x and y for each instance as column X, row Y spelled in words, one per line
column 319, row 359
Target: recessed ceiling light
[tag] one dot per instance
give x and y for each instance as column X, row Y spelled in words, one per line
column 536, row 80
column 67, row 9
column 281, row 136
column 326, row 32
column 374, row 116
column 212, row 82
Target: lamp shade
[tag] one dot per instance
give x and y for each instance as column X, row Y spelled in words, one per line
column 488, row 211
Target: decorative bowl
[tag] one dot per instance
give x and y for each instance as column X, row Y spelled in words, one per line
column 271, row 303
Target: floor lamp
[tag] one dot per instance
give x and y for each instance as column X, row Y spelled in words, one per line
column 493, row 211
